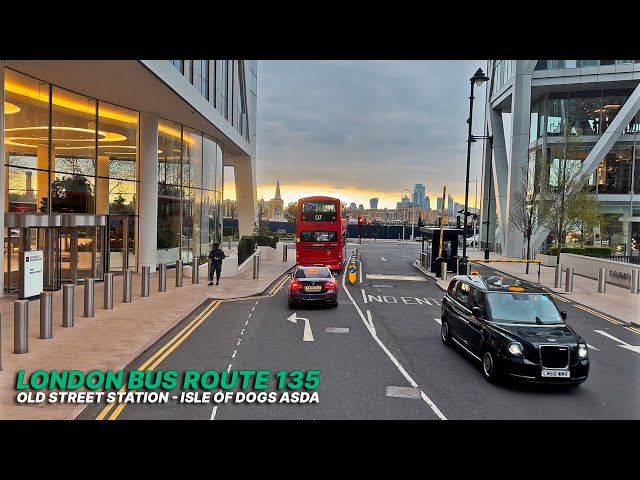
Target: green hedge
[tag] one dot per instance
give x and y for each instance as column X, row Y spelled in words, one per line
column 266, row 241
column 246, row 246
column 586, row 250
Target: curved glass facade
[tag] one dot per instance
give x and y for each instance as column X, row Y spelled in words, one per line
column 189, row 193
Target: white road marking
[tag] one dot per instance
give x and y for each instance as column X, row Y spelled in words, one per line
column 360, row 276
column 382, row 286
column 253, row 308
column 308, row 334
column 371, row 321
column 377, row 276
column 364, row 296
column 234, row 354
column 250, row 315
column 246, row 323
column 228, row 368
column 612, row 337
column 239, row 340
column 242, row 332
column 257, row 302
column 434, row 301
column 432, row 405
column 213, row 414
column 383, row 259
column 438, row 320
column 592, row 347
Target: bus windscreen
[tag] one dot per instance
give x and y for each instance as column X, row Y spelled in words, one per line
column 318, row 211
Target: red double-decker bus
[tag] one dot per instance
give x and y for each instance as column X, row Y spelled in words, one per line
column 321, row 232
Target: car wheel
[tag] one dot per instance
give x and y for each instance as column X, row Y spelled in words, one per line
column 489, row 367
column 445, row 332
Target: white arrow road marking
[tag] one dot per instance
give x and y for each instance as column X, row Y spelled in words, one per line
column 593, row 348
column 308, row 334
column 383, row 259
column 612, row 337
column 633, row 348
column 438, row 320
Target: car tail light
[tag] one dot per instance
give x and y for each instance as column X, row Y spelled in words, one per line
column 295, row 285
column 330, row 284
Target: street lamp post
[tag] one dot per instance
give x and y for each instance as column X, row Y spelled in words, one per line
column 413, row 209
column 478, row 79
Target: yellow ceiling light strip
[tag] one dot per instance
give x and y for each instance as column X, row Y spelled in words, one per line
column 105, row 112
column 10, row 108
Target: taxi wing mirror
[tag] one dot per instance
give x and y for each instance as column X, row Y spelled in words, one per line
column 476, row 312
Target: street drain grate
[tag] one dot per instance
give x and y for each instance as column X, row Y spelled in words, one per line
column 403, row 392
column 337, row 330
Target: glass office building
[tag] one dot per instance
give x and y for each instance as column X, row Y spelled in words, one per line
column 589, row 105
column 112, row 165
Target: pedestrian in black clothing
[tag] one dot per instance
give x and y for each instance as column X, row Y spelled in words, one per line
column 216, row 255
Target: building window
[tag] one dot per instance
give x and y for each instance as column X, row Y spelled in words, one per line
column 179, row 64
column 204, row 78
column 169, row 190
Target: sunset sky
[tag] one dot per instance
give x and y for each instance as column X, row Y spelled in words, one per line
column 360, row 129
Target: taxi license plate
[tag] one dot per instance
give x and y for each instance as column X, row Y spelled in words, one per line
column 311, row 288
column 556, row 373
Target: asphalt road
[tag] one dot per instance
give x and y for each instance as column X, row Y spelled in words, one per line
column 389, row 364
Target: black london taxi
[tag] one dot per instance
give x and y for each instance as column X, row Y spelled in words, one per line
column 514, row 329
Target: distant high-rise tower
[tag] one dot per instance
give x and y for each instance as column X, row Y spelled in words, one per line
column 427, row 202
column 353, row 206
column 404, row 202
column 457, row 207
column 439, row 203
column 450, row 203
column 360, row 207
column 418, row 195
column 373, row 203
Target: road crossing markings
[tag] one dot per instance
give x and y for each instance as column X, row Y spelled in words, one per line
column 337, row 330
column 383, row 259
column 160, row 355
column 424, row 396
column 364, row 296
column 382, row 286
column 434, row 301
column 592, row 347
column 234, row 354
column 246, row 323
column 438, row 320
column 378, row 276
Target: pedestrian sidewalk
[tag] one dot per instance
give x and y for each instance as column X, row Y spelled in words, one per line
column 112, row 338
column 617, row 301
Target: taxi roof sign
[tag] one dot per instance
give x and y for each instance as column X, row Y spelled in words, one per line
column 516, row 289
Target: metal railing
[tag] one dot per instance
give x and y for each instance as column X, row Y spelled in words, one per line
column 635, row 259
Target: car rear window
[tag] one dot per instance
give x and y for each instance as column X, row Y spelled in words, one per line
column 313, row 272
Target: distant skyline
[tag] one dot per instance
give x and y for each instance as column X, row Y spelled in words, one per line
column 361, row 129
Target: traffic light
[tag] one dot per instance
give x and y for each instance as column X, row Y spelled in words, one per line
column 439, row 221
column 458, row 221
column 360, row 220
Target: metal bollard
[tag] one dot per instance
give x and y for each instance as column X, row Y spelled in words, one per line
column 21, row 326
column 108, row 291
column 568, row 284
column 256, row 266
column 162, row 277
column 195, row 270
column 443, row 270
column 602, row 280
column 229, row 244
column 46, row 315
column 356, row 254
column 179, row 273
column 635, row 280
column 558, row 276
column 68, row 293
column 127, row 280
column 284, row 252
column 146, row 281
column 89, row 289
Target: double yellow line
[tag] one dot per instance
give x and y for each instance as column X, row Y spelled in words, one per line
column 278, row 285
column 160, row 355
